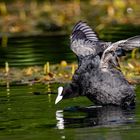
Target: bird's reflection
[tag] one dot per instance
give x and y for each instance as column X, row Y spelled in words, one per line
column 59, row 118
column 93, row 116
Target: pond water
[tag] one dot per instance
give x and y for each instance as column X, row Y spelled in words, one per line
column 36, row 50
column 24, row 115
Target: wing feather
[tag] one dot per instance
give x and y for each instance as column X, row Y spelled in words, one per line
column 84, row 40
column 84, row 29
column 130, row 43
column 110, row 54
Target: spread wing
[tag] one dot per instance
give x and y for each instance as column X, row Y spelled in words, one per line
column 130, row 43
column 84, row 40
column 82, row 31
column 110, row 55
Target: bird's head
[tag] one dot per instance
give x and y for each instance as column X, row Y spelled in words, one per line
column 69, row 91
column 59, row 96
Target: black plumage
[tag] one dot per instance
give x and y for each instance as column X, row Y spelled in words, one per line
column 97, row 76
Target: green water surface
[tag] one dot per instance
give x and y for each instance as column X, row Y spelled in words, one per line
column 27, row 116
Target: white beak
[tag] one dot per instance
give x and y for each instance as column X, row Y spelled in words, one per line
column 59, row 97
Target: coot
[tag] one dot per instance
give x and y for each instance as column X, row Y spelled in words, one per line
column 98, row 76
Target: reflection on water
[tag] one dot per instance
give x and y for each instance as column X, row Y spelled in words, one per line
column 60, row 119
column 25, row 115
column 93, row 116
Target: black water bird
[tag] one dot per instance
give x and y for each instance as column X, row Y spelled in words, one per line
column 98, row 76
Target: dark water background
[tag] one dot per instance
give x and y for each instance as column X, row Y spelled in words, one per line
column 24, row 115
column 37, row 50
